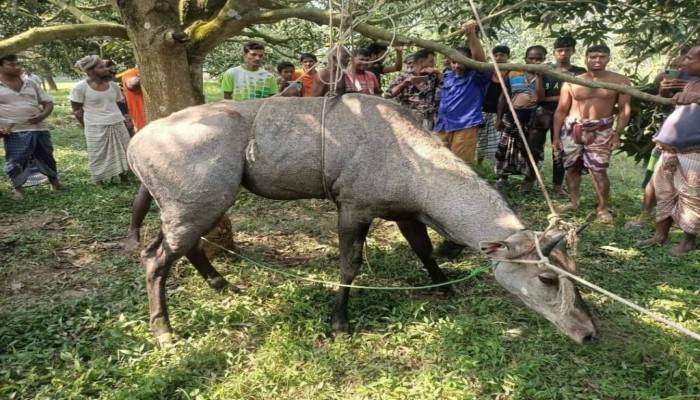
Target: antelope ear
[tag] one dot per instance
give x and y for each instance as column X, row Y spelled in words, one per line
column 495, row 249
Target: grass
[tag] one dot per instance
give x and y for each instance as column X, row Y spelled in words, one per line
column 74, row 322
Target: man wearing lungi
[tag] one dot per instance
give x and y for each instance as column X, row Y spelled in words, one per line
column 583, row 129
column 98, row 105
column 24, row 106
column 676, row 176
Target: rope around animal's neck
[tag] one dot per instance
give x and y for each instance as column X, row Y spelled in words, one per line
column 544, row 261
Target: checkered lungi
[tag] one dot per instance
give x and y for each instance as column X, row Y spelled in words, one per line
column 106, row 148
column 677, row 183
column 488, row 138
column 29, row 157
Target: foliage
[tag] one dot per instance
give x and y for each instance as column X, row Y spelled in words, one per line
column 74, row 319
column 58, row 57
column 645, row 122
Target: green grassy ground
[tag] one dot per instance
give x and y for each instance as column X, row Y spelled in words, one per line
column 74, row 323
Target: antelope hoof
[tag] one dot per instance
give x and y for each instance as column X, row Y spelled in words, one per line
column 339, row 327
column 219, row 283
column 165, row 340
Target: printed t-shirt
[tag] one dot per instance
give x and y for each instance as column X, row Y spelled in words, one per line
column 247, row 85
column 552, row 85
column 521, row 87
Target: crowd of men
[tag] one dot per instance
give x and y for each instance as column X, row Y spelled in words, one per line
column 467, row 109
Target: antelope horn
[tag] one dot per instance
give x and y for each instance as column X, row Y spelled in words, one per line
column 582, row 228
column 551, row 244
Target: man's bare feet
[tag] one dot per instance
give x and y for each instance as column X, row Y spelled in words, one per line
column 566, row 208
column 525, row 187
column 656, row 239
column 639, row 221
column 17, row 195
column 681, row 249
column 561, row 195
column 56, row 185
column 131, row 243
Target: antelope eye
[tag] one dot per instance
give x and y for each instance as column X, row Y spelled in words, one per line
column 548, row 278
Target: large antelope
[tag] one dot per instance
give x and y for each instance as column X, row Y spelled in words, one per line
column 377, row 162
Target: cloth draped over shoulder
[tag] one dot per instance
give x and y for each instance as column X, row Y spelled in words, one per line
column 681, row 130
column 134, row 99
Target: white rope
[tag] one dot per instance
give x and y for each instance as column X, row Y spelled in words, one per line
column 515, row 117
column 544, row 261
column 554, row 219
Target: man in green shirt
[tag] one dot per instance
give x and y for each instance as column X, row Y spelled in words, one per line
column 249, row 81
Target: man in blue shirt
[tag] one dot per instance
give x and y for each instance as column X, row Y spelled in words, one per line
column 462, row 96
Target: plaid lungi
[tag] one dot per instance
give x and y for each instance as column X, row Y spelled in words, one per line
column 594, row 156
column 29, row 158
column 511, row 155
column 677, row 184
column 488, row 138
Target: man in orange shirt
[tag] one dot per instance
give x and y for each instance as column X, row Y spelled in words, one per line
column 307, row 73
column 131, row 83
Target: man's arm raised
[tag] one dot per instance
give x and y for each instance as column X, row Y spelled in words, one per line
column 398, row 64
column 474, row 44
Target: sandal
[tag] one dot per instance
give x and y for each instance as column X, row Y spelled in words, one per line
column 605, row 217
column 561, row 195
column 635, row 223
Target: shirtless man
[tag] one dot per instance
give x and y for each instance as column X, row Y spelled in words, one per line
column 331, row 79
column 583, row 129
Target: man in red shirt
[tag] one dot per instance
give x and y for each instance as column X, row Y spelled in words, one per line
column 358, row 79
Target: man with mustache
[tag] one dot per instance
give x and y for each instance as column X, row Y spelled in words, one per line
column 583, row 129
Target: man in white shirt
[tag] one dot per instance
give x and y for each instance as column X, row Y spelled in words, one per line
column 24, row 107
column 98, row 105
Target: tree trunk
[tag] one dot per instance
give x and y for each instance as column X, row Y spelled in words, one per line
column 48, row 78
column 47, row 74
column 171, row 78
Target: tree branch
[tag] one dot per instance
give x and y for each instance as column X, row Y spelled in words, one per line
column 79, row 15
column 402, row 13
column 322, row 18
column 252, row 33
column 37, row 36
